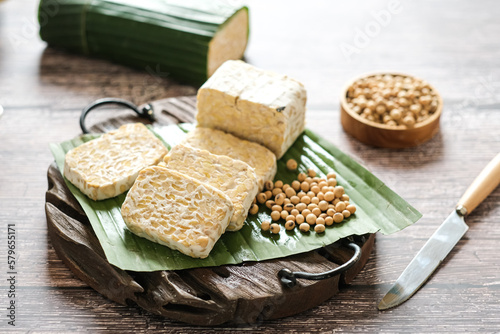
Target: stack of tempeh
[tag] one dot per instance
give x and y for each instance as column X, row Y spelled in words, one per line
column 206, row 184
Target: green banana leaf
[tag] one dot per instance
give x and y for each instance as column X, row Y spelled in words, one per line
column 378, row 209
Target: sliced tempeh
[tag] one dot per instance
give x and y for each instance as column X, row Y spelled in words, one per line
column 108, row 166
column 221, row 143
column 176, row 210
column 233, row 177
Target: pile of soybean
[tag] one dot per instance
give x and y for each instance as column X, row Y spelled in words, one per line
column 310, row 202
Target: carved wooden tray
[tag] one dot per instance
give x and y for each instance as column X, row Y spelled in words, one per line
column 245, row 293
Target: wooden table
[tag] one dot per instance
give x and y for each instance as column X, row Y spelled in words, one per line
column 452, row 44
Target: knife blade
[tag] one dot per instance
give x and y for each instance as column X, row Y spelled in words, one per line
column 444, row 239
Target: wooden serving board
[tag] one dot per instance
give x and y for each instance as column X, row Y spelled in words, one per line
column 243, row 294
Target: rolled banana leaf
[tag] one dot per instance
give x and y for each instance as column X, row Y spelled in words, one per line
column 186, row 40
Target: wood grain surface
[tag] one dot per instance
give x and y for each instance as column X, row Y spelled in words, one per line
column 452, row 44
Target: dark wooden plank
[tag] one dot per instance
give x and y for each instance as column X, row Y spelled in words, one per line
column 241, row 294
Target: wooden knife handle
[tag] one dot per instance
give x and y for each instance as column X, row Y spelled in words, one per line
column 483, row 185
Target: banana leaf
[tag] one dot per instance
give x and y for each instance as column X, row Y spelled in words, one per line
column 378, row 209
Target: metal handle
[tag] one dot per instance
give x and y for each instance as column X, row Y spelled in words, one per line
column 145, row 112
column 289, row 278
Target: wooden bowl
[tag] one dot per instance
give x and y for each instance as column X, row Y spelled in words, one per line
column 381, row 135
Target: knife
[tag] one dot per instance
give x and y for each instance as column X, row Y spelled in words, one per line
column 444, row 239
